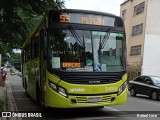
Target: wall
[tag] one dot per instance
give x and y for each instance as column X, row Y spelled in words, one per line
column 151, row 58
column 131, row 21
column 153, row 17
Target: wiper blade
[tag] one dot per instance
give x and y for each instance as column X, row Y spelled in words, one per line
column 105, row 38
column 76, row 36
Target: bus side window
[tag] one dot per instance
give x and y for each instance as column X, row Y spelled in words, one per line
column 26, row 53
column 36, row 46
column 32, row 49
column 23, row 56
column 29, row 52
column 43, row 39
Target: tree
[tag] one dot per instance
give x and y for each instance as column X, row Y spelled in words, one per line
column 18, row 18
column 15, row 57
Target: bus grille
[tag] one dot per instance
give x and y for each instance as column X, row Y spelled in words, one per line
column 90, row 77
column 81, row 99
column 85, row 99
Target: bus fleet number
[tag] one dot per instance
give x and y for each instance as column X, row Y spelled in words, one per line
column 111, row 88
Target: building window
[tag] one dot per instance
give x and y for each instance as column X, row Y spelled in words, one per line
column 124, row 14
column 137, row 29
column 136, row 50
column 139, row 9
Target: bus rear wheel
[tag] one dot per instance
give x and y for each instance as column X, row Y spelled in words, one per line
column 37, row 94
column 25, row 88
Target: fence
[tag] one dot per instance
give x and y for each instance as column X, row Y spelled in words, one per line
column 133, row 72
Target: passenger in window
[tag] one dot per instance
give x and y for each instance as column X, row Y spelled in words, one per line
column 89, row 59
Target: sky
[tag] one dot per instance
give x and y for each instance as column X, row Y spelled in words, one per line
column 109, row 6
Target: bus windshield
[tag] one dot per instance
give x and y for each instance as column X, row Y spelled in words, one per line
column 84, row 50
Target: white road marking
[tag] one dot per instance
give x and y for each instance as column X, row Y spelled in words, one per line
column 105, row 117
column 112, row 109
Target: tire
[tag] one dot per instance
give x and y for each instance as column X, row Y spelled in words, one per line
column 154, row 95
column 132, row 92
column 37, row 94
column 25, row 88
column 101, row 107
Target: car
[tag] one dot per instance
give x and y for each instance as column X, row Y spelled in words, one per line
column 145, row 85
column 13, row 71
column 19, row 74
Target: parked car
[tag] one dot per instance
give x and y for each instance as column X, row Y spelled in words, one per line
column 145, row 85
column 19, row 74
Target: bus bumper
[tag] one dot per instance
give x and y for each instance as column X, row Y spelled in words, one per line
column 53, row 99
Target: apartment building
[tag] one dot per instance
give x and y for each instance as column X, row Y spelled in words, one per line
column 142, row 24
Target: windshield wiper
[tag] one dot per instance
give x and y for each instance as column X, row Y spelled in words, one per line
column 103, row 42
column 76, row 36
column 105, row 38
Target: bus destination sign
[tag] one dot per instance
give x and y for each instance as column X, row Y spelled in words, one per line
column 83, row 18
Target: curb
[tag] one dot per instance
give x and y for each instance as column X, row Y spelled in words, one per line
column 11, row 103
column 4, row 99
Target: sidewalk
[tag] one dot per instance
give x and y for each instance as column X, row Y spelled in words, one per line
column 9, row 103
column 3, row 97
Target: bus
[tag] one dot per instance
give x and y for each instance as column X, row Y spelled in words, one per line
column 76, row 59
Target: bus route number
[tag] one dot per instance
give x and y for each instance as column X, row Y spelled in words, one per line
column 64, row 18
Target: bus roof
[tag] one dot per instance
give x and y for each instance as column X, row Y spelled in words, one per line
column 83, row 11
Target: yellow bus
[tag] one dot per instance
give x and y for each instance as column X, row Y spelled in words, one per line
column 76, row 58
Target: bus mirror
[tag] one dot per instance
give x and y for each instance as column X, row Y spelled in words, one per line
column 119, row 38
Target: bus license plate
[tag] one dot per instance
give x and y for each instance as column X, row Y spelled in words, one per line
column 94, row 99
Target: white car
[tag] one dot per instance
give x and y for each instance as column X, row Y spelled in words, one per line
column 19, row 74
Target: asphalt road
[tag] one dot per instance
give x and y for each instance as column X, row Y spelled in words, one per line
column 140, row 107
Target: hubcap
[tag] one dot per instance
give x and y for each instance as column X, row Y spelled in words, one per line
column 132, row 92
column 154, row 95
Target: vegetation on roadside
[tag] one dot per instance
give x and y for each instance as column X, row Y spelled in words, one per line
column 1, row 105
column 18, row 19
column 15, row 57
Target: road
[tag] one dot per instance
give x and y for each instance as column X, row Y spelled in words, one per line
column 140, row 106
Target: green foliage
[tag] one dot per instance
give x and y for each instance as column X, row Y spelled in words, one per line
column 15, row 57
column 19, row 20
column 4, row 48
column 1, row 105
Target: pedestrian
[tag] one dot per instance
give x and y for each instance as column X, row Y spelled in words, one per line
column 4, row 73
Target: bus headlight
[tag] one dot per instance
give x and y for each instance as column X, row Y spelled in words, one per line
column 122, row 88
column 58, row 89
column 62, row 91
column 53, row 86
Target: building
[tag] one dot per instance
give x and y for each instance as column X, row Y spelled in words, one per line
column 142, row 23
